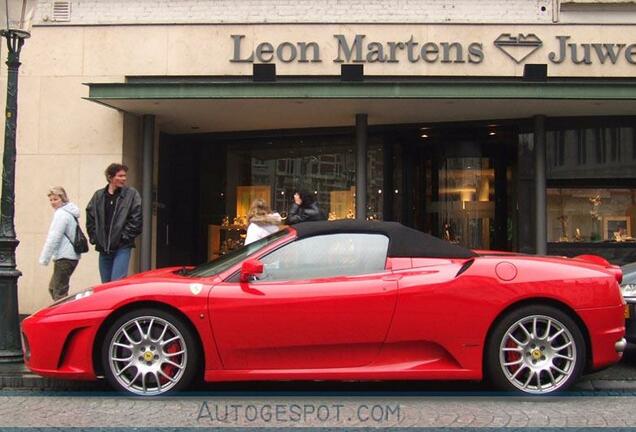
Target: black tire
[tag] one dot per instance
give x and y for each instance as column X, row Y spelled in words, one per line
column 148, row 371
column 541, row 365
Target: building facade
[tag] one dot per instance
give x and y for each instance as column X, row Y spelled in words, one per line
column 495, row 124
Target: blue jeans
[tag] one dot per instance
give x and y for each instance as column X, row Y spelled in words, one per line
column 114, row 266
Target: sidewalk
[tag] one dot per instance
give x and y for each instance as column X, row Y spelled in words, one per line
column 17, row 376
column 619, row 378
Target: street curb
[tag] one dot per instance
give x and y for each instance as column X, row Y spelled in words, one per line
column 36, row 382
column 613, row 385
column 31, row 381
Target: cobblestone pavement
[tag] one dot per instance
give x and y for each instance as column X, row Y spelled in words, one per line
column 33, row 409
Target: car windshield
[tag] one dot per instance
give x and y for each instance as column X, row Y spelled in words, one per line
column 224, row 262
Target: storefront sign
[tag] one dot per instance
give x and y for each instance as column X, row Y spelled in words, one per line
column 359, row 48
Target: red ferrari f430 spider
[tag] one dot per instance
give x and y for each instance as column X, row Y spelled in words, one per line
column 341, row 300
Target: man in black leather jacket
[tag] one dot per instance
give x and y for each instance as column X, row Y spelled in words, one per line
column 304, row 209
column 113, row 221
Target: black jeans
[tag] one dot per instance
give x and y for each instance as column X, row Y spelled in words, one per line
column 62, row 271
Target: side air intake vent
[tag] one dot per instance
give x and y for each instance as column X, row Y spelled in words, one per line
column 465, row 266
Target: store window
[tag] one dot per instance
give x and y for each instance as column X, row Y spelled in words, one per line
column 591, row 215
column 593, row 168
column 273, row 169
column 601, row 152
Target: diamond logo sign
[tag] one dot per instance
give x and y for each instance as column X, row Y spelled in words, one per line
column 518, row 47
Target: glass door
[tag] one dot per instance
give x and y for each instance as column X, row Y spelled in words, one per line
column 461, row 184
column 464, row 205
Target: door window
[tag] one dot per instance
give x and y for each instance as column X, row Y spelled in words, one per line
column 326, row 256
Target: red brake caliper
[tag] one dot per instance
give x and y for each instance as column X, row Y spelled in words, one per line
column 169, row 369
column 512, row 356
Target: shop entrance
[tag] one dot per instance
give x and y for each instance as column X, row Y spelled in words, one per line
column 451, row 182
column 461, row 184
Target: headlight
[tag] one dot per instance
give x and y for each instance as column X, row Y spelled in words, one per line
column 83, row 294
column 77, row 296
column 628, row 290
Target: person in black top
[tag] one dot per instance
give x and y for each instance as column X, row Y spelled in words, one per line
column 304, row 209
column 113, row 221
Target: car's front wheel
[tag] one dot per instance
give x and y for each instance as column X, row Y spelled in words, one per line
column 536, row 349
column 149, row 352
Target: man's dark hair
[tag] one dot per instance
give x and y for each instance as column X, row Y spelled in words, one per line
column 113, row 169
column 307, row 198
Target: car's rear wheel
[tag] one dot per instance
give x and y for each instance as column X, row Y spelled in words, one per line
column 536, row 349
column 149, row 352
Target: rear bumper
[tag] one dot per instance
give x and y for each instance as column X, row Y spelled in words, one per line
column 61, row 346
column 606, row 328
column 630, row 322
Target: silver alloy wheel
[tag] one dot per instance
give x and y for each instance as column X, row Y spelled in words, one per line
column 147, row 355
column 538, row 354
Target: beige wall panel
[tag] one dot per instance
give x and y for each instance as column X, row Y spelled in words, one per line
column 191, row 50
column 207, row 50
column 28, row 131
column 125, row 51
column 87, row 272
column 72, row 125
column 53, row 51
column 33, row 284
column 34, row 175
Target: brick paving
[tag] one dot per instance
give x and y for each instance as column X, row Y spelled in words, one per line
column 30, row 409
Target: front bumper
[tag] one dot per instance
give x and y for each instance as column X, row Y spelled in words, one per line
column 61, row 346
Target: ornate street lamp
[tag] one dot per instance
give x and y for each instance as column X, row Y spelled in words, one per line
column 15, row 25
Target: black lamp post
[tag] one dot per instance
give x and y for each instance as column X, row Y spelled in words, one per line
column 15, row 24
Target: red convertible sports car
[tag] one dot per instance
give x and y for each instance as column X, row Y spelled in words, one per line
column 341, row 300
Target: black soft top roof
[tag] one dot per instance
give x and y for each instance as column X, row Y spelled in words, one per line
column 403, row 241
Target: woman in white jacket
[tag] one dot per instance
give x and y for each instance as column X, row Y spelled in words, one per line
column 262, row 221
column 58, row 246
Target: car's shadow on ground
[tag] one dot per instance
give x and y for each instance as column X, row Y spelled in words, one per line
column 623, row 371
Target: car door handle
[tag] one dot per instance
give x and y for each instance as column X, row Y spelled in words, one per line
column 392, row 277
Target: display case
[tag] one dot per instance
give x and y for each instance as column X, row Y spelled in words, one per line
column 342, row 204
column 224, row 238
column 591, row 215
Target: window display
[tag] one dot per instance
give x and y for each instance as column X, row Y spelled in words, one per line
column 591, row 215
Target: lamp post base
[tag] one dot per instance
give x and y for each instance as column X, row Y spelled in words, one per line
column 10, row 343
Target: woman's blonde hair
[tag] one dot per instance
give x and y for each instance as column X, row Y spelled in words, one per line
column 259, row 208
column 58, row 191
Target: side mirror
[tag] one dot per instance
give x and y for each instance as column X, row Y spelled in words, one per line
column 249, row 268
